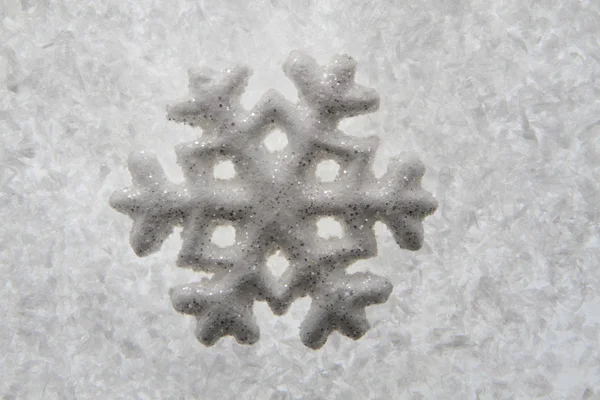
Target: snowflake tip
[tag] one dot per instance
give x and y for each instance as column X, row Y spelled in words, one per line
column 315, row 338
column 145, row 169
column 124, row 201
column 374, row 289
column 186, row 112
column 360, row 100
column 406, row 169
column 205, row 82
column 301, row 68
column 187, row 300
column 236, row 80
column 148, row 234
column 200, row 77
column 407, row 231
column 343, row 67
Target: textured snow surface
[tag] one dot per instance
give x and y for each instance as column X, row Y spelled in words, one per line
column 499, row 99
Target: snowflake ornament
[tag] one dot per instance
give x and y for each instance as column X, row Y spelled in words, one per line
column 274, row 202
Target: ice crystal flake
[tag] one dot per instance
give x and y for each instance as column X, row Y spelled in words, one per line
column 274, row 201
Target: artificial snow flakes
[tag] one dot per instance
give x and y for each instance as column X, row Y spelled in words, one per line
column 274, row 200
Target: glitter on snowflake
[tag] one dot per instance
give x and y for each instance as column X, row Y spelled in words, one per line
column 274, row 200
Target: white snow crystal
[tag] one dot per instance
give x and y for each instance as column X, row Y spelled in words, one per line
column 274, row 200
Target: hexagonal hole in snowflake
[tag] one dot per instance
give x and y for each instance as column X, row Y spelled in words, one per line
column 224, row 170
column 327, row 170
column 328, row 227
column 223, row 235
column 276, row 141
column 277, row 263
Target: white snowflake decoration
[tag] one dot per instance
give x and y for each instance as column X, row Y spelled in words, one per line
column 274, row 202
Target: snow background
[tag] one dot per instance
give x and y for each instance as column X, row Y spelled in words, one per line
column 501, row 101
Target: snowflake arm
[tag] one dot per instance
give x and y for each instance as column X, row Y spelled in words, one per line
column 220, row 309
column 154, row 204
column 405, row 204
column 397, row 199
column 339, row 304
column 330, row 91
column 214, row 98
